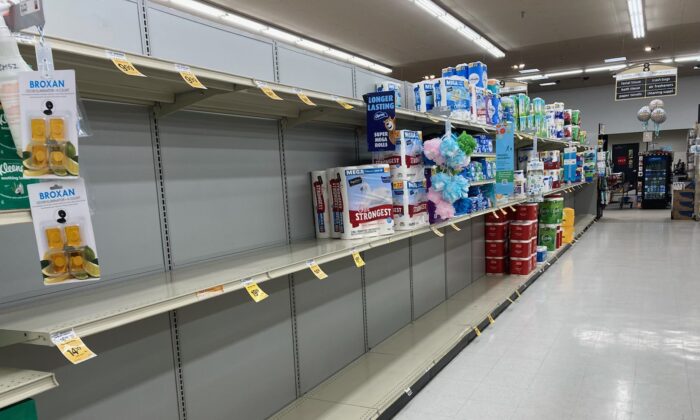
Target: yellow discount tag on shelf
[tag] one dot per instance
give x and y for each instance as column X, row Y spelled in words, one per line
column 267, row 90
column 455, row 227
column 359, row 262
column 316, row 270
column 342, row 103
column 189, row 77
column 432, row 118
column 122, row 62
column 477, row 331
column 491, row 320
column 517, row 292
column 255, row 292
column 72, row 346
column 437, row 231
column 509, row 299
column 305, row 99
column 210, row 292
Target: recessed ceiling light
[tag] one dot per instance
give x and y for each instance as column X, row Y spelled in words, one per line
column 515, row 66
column 526, row 71
column 636, row 12
column 532, row 77
column 648, row 48
column 521, row 66
column 687, row 58
column 548, row 84
column 606, row 68
column 564, row 73
column 696, row 67
column 615, row 59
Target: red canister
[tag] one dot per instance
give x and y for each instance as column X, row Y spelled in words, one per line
column 496, row 231
column 526, row 211
column 520, row 249
column 522, row 230
column 496, row 248
column 496, row 265
column 521, row 266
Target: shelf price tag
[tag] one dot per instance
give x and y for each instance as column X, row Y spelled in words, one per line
column 267, row 90
column 517, row 292
column 491, row 320
column 359, row 262
column 437, row 231
column 72, row 346
column 255, row 292
column 313, row 266
column 477, row 331
column 342, row 102
column 455, row 227
column 189, row 77
column 432, row 118
column 305, row 99
column 504, row 212
column 509, row 299
column 122, row 62
column 210, row 292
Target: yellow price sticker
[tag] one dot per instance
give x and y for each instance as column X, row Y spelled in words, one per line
column 210, row 292
column 495, row 214
column 123, row 64
column 342, row 103
column 477, row 331
column 72, row 347
column 305, row 99
column 316, row 270
column 437, row 231
column 455, row 227
column 517, row 292
column 359, row 262
column 432, row 118
column 491, row 320
column 268, row 91
column 510, row 300
column 255, row 292
column 189, row 77
column 504, row 212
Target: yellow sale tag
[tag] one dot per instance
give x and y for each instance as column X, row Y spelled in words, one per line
column 511, row 208
column 517, row 292
column 476, row 330
column 189, row 76
column 210, row 292
column 268, row 91
column 359, row 262
column 455, row 227
column 255, row 291
column 491, row 320
column 510, row 300
column 316, row 270
column 122, row 62
column 437, row 232
column 504, row 212
column 495, row 214
column 342, row 103
column 72, row 347
column 305, row 99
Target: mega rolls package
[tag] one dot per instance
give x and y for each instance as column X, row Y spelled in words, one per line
column 424, row 93
column 321, row 202
column 389, row 86
column 361, row 201
column 410, row 204
column 406, row 161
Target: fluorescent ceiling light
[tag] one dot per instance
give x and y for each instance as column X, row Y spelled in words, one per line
column 338, row 54
column 636, row 12
column 548, row 84
column 313, row 46
column 453, row 23
column 564, row 73
column 243, row 22
column 687, row 58
column 199, row 7
column 533, row 77
column 526, row 71
column 361, row 61
column 380, row 68
column 606, row 68
column 281, row 35
column 615, row 60
column 667, row 60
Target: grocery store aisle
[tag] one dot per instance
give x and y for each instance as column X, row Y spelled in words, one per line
column 611, row 331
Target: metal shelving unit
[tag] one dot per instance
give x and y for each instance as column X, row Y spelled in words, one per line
column 483, row 155
column 119, row 303
column 13, row 218
column 18, row 384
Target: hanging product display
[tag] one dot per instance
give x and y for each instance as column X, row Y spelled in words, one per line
column 13, row 184
column 320, row 196
column 381, row 121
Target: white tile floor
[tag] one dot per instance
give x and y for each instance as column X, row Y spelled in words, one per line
column 611, row 331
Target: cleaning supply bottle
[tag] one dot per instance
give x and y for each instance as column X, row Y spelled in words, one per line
column 11, row 63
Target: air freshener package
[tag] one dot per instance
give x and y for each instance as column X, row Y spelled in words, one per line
column 63, row 229
column 48, row 119
column 362, row 201
column 406, row 161
column 410, row 204
column 13, row 185
column 322, row 211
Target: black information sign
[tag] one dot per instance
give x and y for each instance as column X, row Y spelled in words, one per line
column 646, row 84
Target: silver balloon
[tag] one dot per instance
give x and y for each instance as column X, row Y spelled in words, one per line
column 644, row 114
column 659, row 115
column 656, row 103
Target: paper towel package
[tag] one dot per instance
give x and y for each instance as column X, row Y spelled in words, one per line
column 362, row 202
column 478, row 74
column 395, row 87
column 424, row 93
column 322, row 210
column 410, row 204
column 406, row 161
column 453, row 93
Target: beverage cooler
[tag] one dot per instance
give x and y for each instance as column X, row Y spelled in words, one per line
column 656, row 180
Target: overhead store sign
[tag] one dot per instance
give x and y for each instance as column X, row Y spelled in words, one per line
column 646, row 81
column 508, row 87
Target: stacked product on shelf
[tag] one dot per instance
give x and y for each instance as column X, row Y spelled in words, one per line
column 568, row 225
column 550, row 218
column 496, row 234
column 523, row 239
column 682, row 207
column 589, row 165
column 551, row 160
column 390, row 86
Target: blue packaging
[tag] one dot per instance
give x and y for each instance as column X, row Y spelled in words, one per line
column 462, row 70
column 424, row 94
column 453, row 93
column 478, row 74
column 449, row 71
column 493, row 110
column 389, row 86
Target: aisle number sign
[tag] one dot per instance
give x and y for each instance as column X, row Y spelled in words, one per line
column 314, row 267
column 188, row 76
column 255, row 292
column 342, row 103
column 646, row 81
column 122, row 62
column 305, row 99
column 359, row 262
column 267, row 90
column 72, row 346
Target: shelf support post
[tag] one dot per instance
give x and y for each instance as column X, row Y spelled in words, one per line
column 185, row 99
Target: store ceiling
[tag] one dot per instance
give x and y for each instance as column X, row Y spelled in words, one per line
column 549, row 35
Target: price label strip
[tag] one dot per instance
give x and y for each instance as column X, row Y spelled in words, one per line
column 72, row 346
column 305, row 99
column 342, row 103
column 437, row 231
column 455, row 227
column 189, row 77
column 255, row 292
column 122, row 62
column 359, row 262
column 268, row 91
column 316, row 270
column 210, row 292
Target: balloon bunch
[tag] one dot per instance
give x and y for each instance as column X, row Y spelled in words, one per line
column 655, row 112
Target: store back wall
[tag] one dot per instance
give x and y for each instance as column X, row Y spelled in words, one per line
column 675, row 139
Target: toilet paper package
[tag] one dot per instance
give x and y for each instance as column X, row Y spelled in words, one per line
column 478, row 74
column 406, row 160
column 389, row 86
column 481, row 105
column 410, row 204
column 453, row 94
column 361, row 201
column 424, row 93
column 462, row 70
column 322, row 210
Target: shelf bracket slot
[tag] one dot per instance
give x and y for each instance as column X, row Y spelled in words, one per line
column 185, row 99
column 308, row 115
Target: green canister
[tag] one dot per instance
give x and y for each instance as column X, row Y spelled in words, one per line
column 551, row 210
column 548, row 236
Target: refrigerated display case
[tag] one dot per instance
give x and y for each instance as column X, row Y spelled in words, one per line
column 656, row 180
